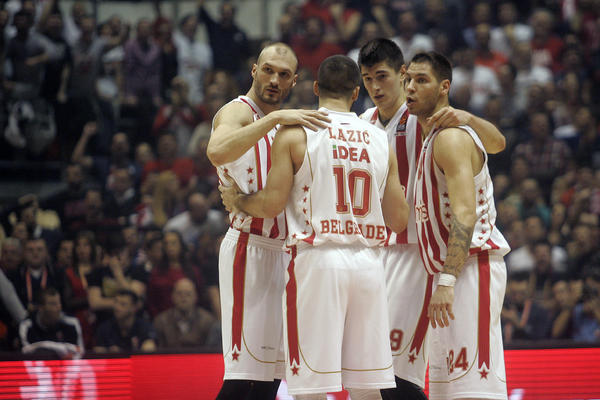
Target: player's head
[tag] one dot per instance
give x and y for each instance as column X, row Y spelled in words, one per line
column 274, row 73
column 427, row 82
column 338, row 78
column 382, row 68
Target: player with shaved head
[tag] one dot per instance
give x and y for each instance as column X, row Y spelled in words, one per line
column 251, row 260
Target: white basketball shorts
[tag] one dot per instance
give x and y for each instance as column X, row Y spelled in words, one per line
column 252, row 280
column 336, row 328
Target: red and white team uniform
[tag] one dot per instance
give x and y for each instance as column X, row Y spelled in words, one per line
column 466, row 359
column 336, row 328
column 408, row 283
column 252, row 273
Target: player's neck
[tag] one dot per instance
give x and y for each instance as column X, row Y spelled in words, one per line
column 264, row 107
column 335, row 104
column 423, row 119
column 387, row 113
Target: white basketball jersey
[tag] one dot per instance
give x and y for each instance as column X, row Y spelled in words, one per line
column 404, row 135
column 434, row 215
column 337, row 192
column 250, row 173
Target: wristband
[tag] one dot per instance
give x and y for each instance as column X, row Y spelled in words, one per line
column 446, row 280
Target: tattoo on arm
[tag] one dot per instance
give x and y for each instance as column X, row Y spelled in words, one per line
column 459, row 242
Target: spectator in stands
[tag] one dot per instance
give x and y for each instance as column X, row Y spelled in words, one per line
column 369, row 31
column 481, row 13
column 546, row 156
column 165, row 201
column 206, row 257
column 143, row 155
column 121, row 198
column 445, row 17
column 163, row 37
column 529, row 201
column 409, row 40
column 49, row 331
column 528, row 73
column 11, row 310
column 30, row 214
column 94, row 218
column 186, row 324
column 484, row 55
column 116, row 272
column 542, row 275
column 73, row 22
column 12, row 255
column 174, row 266
column 480, row 79
column 562, row 309
column 64, row 254
column 588, row 134
column 36, row 274
column 586, row 315
column 132, row 241
column 194, row 58
column 341, row 21
column 178, row 116
column 310, row 48
column 228, row 42
column 168, row 160
column 69, row 202
column 582, row 249
column 197, row 219
column 522, row 317
column 125, row 330
column 153, row 250
column 510, row 31
column 547, row 47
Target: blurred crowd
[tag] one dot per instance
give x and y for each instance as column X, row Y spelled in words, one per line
column 124, row 256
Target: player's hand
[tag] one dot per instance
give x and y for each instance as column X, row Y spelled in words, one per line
column 439, row 311
column 229, row 195
column 308, row 118
column 449, row 117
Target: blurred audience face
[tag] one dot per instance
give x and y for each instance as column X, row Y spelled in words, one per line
column 155, row 252
column 535, row 229
column 167, row 147
column 119, row 147
column 121, row 181
column 541, row 22
column 64, row 254
column 507, row 13
column 20, row 232
column 12, row 254
column 173, row 246
column 144, row 30
column 517, row 292
column 88, row 27
column 83, row 250
column 559, row 213
column 74, row 176
column 3, row 18
column 143, row 154
column 50, row 310
column 542, row 254
column 313, row 31
column 562, row 294
column 184, row 295
column 93, row 202
column 189, row 26
column 35, row 253
column 539, row 126
column 198, row 207
column 124, row 308
column 530, row 192
column 519, row 170
column 482, row 36
column 54, row 25
column 407, row 24
column 227, row 14
column 481, row 13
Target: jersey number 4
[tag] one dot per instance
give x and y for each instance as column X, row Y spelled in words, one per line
column 359, row 185
column 460, row 362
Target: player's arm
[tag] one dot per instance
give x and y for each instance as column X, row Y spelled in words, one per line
column 394, row 205
column 449, row 117
column 235, row 130
column 271, row 200
column 452, row 152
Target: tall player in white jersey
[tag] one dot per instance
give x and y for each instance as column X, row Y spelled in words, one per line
column 382, row 68
column 251, row 260
column 340, row 189
column 459, row 243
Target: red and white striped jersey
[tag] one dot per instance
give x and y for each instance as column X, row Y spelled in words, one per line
column 404, row 135
column 433, row 211
column 250, row 173
column 337, row 192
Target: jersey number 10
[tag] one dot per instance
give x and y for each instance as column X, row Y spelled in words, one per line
column 359, row 184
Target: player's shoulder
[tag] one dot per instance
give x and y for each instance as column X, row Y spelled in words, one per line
column 455, row 139
column 367, row 114
column 235, row 111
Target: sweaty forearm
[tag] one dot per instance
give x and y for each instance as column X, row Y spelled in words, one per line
column 459, row 242
column 254, row 204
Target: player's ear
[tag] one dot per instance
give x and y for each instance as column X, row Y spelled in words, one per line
column 355, row 93
column 295, row 80
column 316, row 88
column 445, row 87
column 254, row 69
column 402, row 72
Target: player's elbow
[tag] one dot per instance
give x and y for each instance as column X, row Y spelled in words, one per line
column 498, row 145
column 397, row 219
column 272, row 208
column 215, row 156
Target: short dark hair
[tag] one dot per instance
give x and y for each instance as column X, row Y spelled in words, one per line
column 380, row 50
column 49, row 291
column 338, row 76
column 129, row 293
column 518, row 276
column 441, row 66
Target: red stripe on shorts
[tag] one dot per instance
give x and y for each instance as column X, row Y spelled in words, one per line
column 423, row 323
column 239, row 278
column 291, row 291
column 483, row 261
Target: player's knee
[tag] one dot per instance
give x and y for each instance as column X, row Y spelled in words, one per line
column 364, row 394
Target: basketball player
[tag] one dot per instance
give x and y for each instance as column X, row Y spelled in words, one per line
column 459, row 243
column 382, row 68
column 340, row 188
column 251, row 260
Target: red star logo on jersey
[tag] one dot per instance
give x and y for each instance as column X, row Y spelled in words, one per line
column 480, row 238
column 307, row 223
column 445, row 194
column 304, row 210
column 225, row 170
column 304, row 200
column 483, row 231
column 481, row 202
column 412, row 358
column 304, row 232
column 294, row 236
column 295, row 370
column 483, row 374
column 305, row 188
column 249, row 170
column 480, row 191
column 235, row 355
column 447, row 215
column 482, row 220
column 446, row 204
column 250, row 181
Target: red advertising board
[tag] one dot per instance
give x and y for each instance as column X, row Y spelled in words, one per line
column 549, row 374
